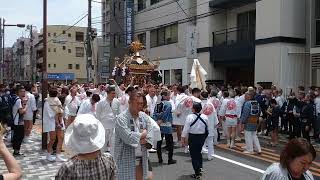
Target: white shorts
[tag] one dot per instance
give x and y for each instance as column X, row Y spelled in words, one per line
column 178, row 123
column 231, row 122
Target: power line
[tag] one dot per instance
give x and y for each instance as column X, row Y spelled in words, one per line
column 152, row 7
column 181, row 21
column 163, row 15
column 182, row 8
column 69, row 28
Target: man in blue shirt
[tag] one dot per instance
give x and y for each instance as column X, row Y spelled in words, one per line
column 163, row 116
column 250, row 118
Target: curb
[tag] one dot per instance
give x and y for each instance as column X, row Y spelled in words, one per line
column 284, row 140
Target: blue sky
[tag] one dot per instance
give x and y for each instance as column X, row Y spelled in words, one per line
column 64, row 12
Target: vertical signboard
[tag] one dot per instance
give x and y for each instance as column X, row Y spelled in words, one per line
column 129, row 14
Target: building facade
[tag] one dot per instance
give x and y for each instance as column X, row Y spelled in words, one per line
column 103, row 63
column 237, row 42
column 21, row 66
column 66, row 54
column 314, row 40
column 249, row 41
column 8, row 65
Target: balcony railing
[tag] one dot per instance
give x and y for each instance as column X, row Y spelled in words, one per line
column 233, row 46
column 233, row 35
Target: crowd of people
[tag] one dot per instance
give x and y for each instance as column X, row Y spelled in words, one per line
column 112, row 128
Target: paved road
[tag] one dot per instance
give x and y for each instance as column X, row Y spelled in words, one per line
column 228, row 164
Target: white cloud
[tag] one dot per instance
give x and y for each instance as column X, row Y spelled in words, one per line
column 30, row 12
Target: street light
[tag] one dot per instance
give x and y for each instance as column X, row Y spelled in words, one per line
column 2, row 35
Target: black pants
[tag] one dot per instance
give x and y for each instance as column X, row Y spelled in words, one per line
column 290, row 119
column 305, row 134
column 316, row 128
column 284, row 123
column 196, row 142
column 18, row 135
column 169, row 143
column 297, row 127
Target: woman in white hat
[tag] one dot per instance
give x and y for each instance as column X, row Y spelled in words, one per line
column 85, row 137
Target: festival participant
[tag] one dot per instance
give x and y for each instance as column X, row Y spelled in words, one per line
column 228, row 112
column 295, row 161
column 217, row 104
column 151, row 99
column 89, row 106
column 250, row 117
column 125, row 99
column 209, row 110
column 182, row 110
column 107, row 111
column 196, row 130
column 88, row 162
column 133, row 136
column 28, row 116
column 72, row 105
column 163, row 116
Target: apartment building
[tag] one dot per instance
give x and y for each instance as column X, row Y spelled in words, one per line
column 252, row 41
column 8, row 65
column 103, row 63
column 237, row 42
column 21, row 65
column 66, row 54
column 314, row 42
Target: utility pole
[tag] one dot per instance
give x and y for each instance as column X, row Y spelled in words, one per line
column 44, row 70
column 1, row 57
column 88, row 42
column 32, row 62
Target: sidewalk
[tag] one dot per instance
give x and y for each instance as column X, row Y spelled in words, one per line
column 283, row 140
column 34, row 165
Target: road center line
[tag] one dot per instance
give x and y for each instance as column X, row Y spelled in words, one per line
column 239, row 164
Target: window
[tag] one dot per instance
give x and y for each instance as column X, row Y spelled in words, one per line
column 104, row 69
column 49, row 65
column 63, row 47
column 177, row 76
column 166, row 76
column 317, row 21
column 79, row 36
column 77, row 66
column 154, row 1
column 69, row 35
column 79, row 52
column 114, row 8
column 63, row 32
column 49, row 50
column 54, row 65
column 141, row 5
column 69, row 50
column 69, row 66
column 54, row 50
column 142, row 38
column 246, row 23
column 163, row 36
column 49, row 34
column 116, row 40
column 120, row 39
column 54, row 34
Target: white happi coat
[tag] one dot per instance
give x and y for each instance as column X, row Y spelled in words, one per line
column 87, row 108
column 228, row 107
column 124, row 102
column 151, row 103
column 209, row 110
column 107, row 114
column 183, row 107
column 240, row 102
column 216, row 103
